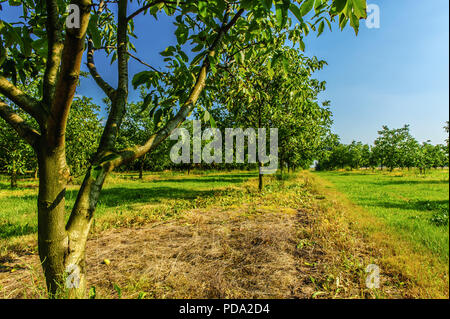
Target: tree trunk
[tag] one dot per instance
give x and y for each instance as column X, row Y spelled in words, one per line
column 61, row 246
column 52, row 236
column 79, row 225
column 14, row 177
column 281, row 169
column 141, row 169
column 260, row 177
column 36, row 170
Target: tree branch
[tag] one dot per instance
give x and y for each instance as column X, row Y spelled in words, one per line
column 109, row 90
column 118, row 104
column 144, row 63
column 151, row 4
column 19, row 125
column 131, row 154
column 55, row 47
column 22, row 100
column 68, row 78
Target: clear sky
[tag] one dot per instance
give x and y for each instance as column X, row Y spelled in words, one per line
column 395, row 75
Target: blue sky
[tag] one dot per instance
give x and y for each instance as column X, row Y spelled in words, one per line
column 394, row 75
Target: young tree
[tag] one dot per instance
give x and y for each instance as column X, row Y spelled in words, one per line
column 16, row 156
column 424, row 159
column 83, row 132
column 277, row 91
column 41, row 45
column 390, row 146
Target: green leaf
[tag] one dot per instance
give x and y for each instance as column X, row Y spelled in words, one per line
column 40, row 47
column 94, row 31
column 202, row 8
column 141, row 78
column 198, row 48
column 198, row 58
column 168, row 51
column 206, row 116
column 118, row 290
column 296, row 11
column 267, row 4
column 147, row 102
column 212, row 122
column 14, row 3
column 285, row 64
column 306, row 7
column 2, row 55
column 302, row 45
column 182, row 34
column 360, row 8
column 157, row 116
column 246, row 4
column 281, row 15
column 354, row 22
column 321, row 28
column 337, row 6
column 342, row 21
column 92, row 293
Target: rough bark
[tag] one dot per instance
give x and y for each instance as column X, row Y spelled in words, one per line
column 52, row 237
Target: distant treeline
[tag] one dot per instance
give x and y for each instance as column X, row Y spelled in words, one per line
column 394, row 148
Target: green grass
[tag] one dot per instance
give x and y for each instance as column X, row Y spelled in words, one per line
column 413, row 206
column 121, row 201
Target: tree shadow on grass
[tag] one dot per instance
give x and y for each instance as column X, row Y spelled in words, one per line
column 116, row 196
column 112, row 197
column 404, row 182
column 11, row 230
column 417, row 205
column 231, row 179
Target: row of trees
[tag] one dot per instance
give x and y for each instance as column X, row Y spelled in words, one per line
column 278, row 92
column 393, row 148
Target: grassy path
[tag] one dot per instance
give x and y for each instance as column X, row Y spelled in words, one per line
column 412, row 205
column 397, row 212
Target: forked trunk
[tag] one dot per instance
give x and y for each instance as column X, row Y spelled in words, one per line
column 61, row 247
